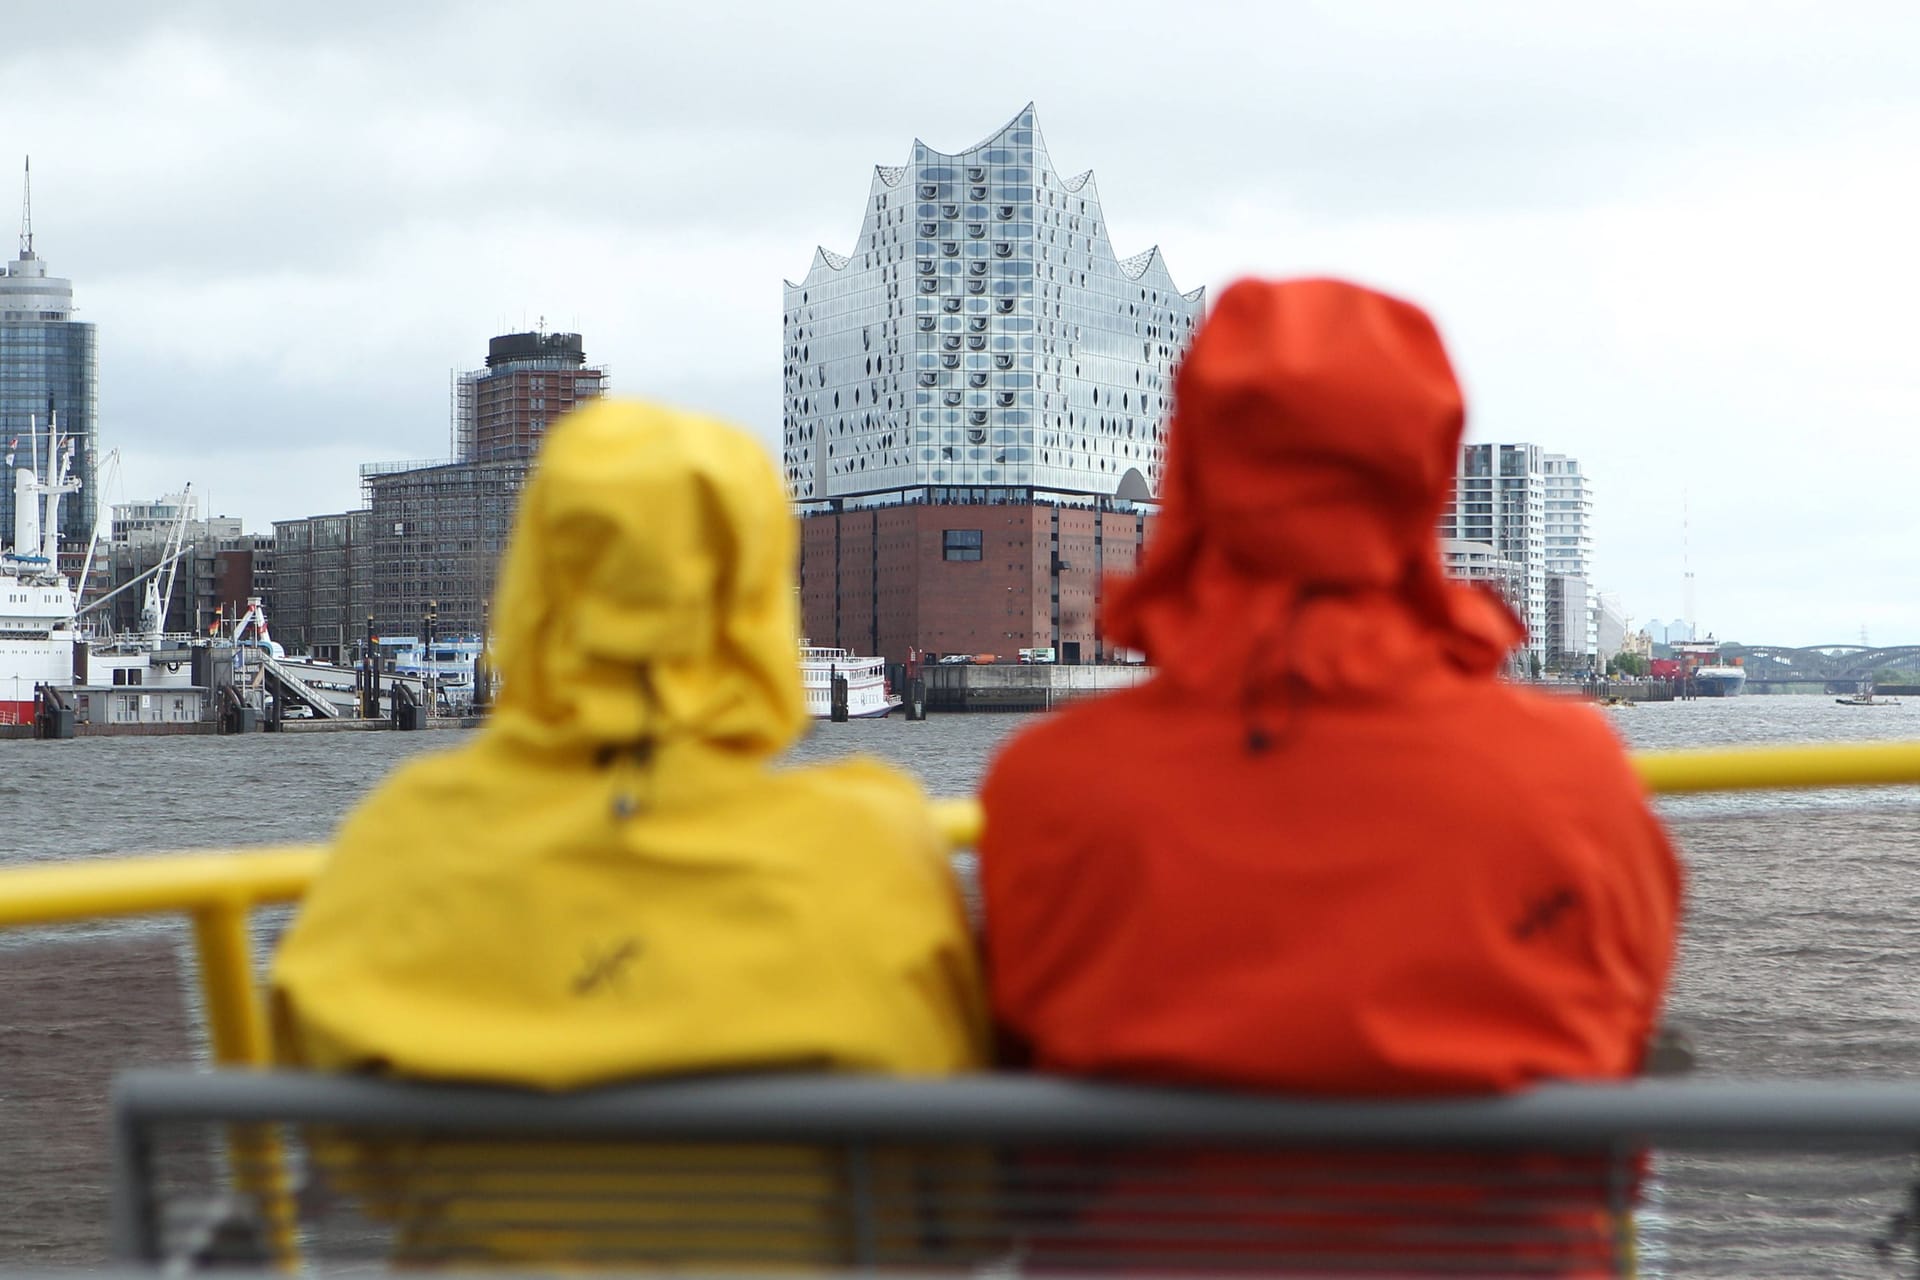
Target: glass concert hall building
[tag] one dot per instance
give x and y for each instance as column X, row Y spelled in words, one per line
column 976, row 407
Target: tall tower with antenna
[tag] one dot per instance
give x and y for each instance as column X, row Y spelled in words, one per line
column 46, row 368
column 26, row 213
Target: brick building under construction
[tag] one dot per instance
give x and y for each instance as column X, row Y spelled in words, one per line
column 429, row 535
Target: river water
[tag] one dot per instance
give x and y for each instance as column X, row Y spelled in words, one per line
column 1798, row 957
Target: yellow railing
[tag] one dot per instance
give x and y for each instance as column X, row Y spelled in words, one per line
column 219, row 890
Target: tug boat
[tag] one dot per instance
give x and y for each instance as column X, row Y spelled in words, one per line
column 868, row 695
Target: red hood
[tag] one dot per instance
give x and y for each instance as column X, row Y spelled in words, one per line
column 1314, row 442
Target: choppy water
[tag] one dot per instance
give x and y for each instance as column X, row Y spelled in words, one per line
column 1798, row 959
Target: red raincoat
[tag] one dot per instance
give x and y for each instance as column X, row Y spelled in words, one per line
column 1324, row 850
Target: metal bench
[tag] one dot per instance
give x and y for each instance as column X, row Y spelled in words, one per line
column 1002, row 1173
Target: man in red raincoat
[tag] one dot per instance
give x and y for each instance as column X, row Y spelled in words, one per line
column 1324, row 850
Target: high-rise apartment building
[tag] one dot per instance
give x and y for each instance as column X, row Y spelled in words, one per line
column 1574, row 641
column 46, row 368
column 429, row 535
column 501, row 412
column 1500, row 499
column 984, row 358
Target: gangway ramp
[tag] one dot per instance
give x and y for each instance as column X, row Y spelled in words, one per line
column 291, row 680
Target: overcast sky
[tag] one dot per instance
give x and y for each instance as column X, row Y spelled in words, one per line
column 1681, row 242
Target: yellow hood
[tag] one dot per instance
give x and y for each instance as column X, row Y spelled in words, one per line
column 611, row 878
column 648, row 590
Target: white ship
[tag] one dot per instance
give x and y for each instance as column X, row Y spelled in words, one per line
column 868, row 697
column 37, row 632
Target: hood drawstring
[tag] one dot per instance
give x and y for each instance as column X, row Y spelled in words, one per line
column 635, row 756
column 1269, row 658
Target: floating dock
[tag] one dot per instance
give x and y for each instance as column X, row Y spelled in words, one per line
column 1010, row 687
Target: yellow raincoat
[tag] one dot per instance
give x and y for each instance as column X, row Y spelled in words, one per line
column 612, row 880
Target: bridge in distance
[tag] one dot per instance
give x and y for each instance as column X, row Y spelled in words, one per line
column 1840, row 665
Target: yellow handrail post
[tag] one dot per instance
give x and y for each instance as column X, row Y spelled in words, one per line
column 236, row 1024
column 238, row 1034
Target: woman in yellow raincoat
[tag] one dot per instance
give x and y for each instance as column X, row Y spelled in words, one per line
column 613, row 879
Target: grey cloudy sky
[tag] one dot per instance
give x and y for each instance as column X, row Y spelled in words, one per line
column 1676, row 241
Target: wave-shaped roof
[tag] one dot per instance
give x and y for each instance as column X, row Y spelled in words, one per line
column 891, row 176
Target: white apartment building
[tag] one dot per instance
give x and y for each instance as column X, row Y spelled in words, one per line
column 1500, row 499
column 1573, row 637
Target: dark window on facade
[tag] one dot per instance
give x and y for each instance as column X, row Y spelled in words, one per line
column 962, row 544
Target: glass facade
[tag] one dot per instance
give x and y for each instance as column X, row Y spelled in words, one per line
column 982, row 336
column 46, row 363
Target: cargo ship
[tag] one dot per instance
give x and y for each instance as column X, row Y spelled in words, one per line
column 37, row 632
column 1707, row 674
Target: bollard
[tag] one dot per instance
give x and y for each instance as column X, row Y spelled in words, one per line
column 53, row 719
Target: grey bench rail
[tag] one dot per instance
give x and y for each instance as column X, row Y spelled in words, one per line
column 1033, row 1108
column 1138, row 1155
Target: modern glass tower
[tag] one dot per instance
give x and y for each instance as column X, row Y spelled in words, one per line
column 982, row 344
column 46, row 367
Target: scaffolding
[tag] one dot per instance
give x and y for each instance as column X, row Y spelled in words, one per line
column 460, row 397
column 435, row 538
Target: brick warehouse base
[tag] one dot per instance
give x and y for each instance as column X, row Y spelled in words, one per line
column 992, row 578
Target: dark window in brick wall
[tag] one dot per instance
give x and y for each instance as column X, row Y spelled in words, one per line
column 962, row 544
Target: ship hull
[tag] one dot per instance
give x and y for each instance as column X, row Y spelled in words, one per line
column 1718, row 685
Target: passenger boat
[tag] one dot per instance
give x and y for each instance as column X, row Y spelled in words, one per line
column 868, row 695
